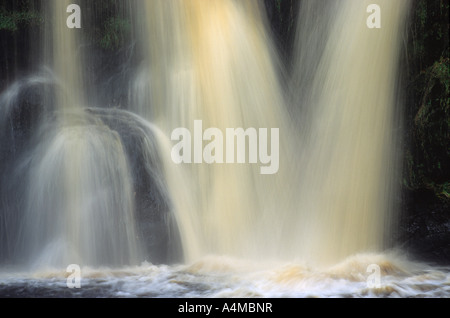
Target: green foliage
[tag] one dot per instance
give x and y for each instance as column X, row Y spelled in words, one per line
column 446, row 190
column 114, row 33
column 109, row 22
column 430, row 31
column 430, row 167
column 427, row 161
column 11, row 21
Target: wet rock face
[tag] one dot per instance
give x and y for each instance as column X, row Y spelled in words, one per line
column 28, row 115
column 425, row 227
column 156, row 225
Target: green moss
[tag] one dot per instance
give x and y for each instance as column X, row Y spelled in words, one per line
column 427, row 160
column 446, row 190
column 430, row 168
column 11, row 21
column 115, row 31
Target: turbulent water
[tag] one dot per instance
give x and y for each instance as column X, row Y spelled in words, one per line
column 332, row 195
column 97, row 186
column 225, row 277
column 348, row 78
column 213, row 61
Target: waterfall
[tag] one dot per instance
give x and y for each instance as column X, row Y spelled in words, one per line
column 347, row 74
column 99, row 186
column 214, row 62
column 77, row 201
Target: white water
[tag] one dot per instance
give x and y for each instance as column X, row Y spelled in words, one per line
column 213, row 61
column 347, row 124
column 78, row 204
column 79, row 211
column 226, row 277
column 332, row 196
column 305, row 232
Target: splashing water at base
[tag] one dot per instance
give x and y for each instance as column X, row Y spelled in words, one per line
column 332, row 196
column 225, row 277
column 347, row 124
column 79, row 211
column 213, row 61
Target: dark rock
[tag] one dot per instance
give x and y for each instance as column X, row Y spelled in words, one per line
column 157, row 227
column 425, row 227
column 29, row 115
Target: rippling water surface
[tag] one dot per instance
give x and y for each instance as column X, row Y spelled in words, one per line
column 223, row 277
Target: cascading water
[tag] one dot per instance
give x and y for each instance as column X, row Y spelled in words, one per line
column 62, row 51
column 79, row 205
column 98, row 187
column 347, row 127
column 214, row 62
column 77, row 202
